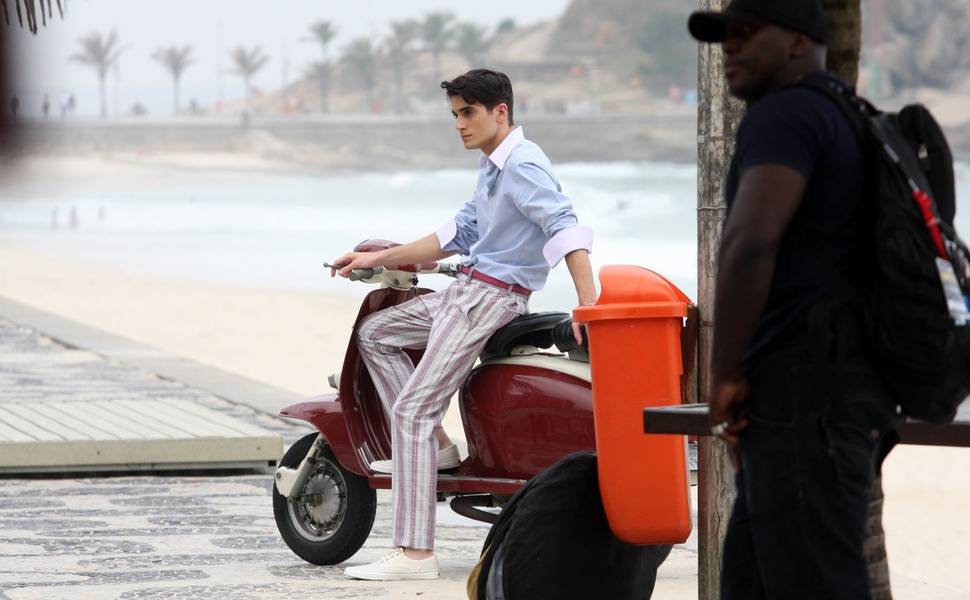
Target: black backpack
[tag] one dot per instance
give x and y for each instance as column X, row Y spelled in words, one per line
column 552, row 541
column 915, row 297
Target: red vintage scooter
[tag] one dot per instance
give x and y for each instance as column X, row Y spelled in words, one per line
column 527, row 405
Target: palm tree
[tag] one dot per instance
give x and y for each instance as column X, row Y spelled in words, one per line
column 471, row 43
column 505, row 25
column 30, row 9
column 322, row 71
column 323, row 32
column 399, row 49
column 247, row 62
column 100, row 53
column 437, row 31
column 175, row 59
column 359, row 56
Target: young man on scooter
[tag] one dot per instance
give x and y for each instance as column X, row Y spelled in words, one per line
column 517, row 225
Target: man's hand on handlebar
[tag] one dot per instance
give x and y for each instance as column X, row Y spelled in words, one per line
column 355, row 260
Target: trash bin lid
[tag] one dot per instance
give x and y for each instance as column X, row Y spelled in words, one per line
column 631, row 292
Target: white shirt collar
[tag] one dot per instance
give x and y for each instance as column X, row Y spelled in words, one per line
column 501, row 154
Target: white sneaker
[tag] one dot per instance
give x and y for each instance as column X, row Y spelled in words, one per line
column 448, row 458
column 396, row 566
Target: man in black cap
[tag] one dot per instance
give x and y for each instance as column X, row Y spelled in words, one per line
column 805, row 428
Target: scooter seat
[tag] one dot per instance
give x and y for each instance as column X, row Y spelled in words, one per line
column 532, row 329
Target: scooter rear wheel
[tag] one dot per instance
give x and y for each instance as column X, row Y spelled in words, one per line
column 334, row 514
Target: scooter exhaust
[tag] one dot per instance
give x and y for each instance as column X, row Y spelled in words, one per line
column 466, row 506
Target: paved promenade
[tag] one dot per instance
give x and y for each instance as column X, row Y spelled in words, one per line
column 164, row 535
column 184, row 535
column 203, row 534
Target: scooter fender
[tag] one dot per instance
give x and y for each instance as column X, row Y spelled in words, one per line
column 326, row 415
column 290, row 481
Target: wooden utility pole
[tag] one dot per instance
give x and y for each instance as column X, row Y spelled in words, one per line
column 717, row 119
column 845, row 38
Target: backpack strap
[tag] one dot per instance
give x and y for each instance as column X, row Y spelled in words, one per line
column 834, row 322
column 869, row 124
column 856, row 109
column 874, row 127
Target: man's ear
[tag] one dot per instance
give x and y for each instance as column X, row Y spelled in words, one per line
column 502, row 112
column 801, row 46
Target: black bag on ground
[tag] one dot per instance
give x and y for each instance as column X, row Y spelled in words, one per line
column 915, row 296
column 552, row 541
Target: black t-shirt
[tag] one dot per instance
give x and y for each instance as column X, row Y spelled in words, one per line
column 800, row 128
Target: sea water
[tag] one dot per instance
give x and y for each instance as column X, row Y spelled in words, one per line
column 275, row 230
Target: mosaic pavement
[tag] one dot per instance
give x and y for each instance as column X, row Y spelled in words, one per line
column 184, row 537
column 170, row 535
column 179, row 535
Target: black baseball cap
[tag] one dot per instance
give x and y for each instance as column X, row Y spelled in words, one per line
column 800, row 16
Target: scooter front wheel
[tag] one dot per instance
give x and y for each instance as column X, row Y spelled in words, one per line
column 332, row 516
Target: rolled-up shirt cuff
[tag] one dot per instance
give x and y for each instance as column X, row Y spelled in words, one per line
column 446, row 234
column 573, row 238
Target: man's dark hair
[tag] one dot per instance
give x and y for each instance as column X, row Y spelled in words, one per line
column 484, row 86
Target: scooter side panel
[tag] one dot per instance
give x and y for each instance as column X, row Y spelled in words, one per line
column 521, row 419
column 326, row 414
column 367, row 424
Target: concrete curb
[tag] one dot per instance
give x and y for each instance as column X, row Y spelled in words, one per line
column 235, row 388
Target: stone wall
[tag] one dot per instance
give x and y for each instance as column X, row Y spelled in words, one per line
column 369, row 142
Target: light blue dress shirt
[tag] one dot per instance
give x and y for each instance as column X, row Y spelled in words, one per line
column 518, row 223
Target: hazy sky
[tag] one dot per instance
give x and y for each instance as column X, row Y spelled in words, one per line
column 279, row 26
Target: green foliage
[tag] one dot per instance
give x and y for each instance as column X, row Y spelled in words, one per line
column 248, row 61
column 98, row 51
column 471, row 43
column 399, row 44
column 505, row 25
column 359, row 56
column 437, row 30
column 399, row 50
column 671, row 54
column 323, row 32
column 175, row 59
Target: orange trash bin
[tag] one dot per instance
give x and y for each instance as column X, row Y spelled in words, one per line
column 635, row 358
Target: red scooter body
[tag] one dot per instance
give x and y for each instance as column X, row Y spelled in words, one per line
column 518, row 419
column 522, row 410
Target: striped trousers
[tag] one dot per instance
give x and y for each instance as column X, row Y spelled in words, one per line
column 453, row 326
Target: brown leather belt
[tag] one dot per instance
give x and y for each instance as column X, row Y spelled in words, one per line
column 512, row 287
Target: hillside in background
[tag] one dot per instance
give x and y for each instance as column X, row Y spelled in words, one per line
column 600, row 56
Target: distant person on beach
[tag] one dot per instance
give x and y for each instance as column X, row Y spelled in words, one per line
column 14, row 105
column 804, row 419
column 45, row 106
column 517, row 226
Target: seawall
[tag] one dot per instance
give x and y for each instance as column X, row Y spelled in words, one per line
column 365, row 141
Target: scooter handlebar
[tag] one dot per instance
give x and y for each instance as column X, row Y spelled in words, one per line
column 358, row 274
column 448, row 269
